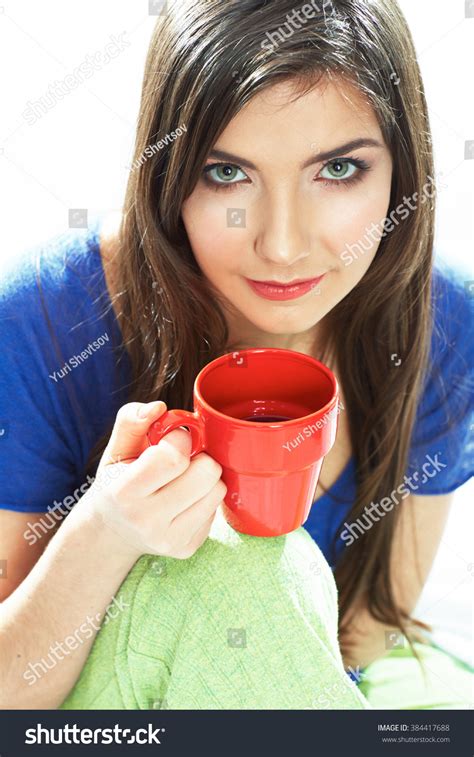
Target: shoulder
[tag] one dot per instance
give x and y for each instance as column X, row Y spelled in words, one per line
column 53, row 305
column 51, row 273
column 452, row 340
column 453, row 310
column 443, row 425
column 54, row 296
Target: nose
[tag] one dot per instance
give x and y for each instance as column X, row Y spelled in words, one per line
column 283, row 239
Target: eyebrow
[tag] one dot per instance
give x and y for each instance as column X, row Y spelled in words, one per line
column 319, row 157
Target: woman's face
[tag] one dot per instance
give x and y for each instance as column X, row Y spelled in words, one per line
column 279, row 220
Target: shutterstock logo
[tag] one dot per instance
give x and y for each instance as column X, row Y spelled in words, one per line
column 72, row 734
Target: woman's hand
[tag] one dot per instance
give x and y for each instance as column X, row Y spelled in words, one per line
column 156, row 500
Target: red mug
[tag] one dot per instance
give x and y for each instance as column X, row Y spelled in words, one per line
column 268, row 417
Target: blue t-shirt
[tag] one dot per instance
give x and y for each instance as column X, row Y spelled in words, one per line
column 59, row 394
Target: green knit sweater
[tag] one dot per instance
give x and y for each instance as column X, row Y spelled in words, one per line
column 245, row 623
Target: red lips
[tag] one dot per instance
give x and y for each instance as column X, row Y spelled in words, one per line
column 275, row 291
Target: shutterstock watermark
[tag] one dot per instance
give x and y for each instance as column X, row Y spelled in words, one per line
column 379, row 230
column 76, row 360
column 359, row 527
column 294, row 21
column 60, row 649
column 150, row 150
column 60, row 89
column 36, row 530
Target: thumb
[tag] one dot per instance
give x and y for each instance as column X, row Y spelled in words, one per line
column 129, row 434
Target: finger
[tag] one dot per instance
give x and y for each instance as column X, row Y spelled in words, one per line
column 202, row 533
column 161, row 463
column 196, row 541
column 187, row 524
column 196, row 482
column 128, row 438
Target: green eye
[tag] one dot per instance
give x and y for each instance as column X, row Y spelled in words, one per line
column 342, row 173
column 224, row 174
column 339, row 169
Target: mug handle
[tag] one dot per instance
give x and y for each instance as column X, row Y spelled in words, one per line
column 175, row 419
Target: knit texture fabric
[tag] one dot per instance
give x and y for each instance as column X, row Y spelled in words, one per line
column 245, row 623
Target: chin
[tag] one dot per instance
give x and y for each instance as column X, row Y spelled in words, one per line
column 285, row 324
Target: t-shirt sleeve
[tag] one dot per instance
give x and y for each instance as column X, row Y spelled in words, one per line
column 37, row 461
column 442, row 449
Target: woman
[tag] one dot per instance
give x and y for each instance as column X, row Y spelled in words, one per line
column 232, row 198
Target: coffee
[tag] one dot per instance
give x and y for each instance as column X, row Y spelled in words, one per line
column 267, row 418
column 266, row 410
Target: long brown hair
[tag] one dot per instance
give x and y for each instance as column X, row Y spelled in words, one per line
column 205, row 62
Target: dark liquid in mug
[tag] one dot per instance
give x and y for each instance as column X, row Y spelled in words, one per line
column 267, row 418
column 266, row 410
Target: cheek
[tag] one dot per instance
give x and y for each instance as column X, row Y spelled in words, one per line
column 353, row 227
column 216, row 228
